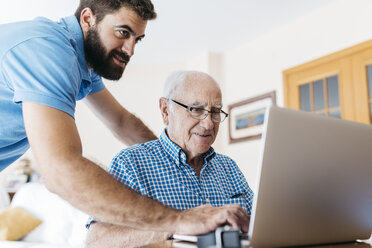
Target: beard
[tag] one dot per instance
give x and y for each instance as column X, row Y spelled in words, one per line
column 98, row 59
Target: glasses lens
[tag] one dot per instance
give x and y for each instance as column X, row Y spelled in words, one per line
column 199, row 113
column 217, row 117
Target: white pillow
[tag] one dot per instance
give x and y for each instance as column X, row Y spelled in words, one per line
column 78, row 230
column 58, row 215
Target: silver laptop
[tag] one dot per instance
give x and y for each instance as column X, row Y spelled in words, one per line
column 315, row 184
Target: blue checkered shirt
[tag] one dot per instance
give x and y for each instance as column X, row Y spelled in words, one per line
column 158, row 169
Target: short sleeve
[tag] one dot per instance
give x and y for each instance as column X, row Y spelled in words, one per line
column 45, row 71
column 240, row 186
column 97, row 83
column 247, row 191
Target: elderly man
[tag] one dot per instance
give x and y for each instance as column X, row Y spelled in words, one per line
column 180, row 169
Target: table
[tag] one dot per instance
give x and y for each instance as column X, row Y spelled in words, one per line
column 173, row 243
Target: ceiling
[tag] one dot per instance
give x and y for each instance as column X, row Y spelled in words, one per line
column 185, row 28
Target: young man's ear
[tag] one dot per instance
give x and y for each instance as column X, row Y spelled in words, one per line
column 87, row 20
column 164, row 109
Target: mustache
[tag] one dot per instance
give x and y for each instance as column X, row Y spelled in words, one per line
column 122, row 55
column 204, row 133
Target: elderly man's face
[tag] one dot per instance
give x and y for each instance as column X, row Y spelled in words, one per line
column 195, row 137
column 110, row 44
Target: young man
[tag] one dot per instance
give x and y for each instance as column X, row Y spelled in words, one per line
column 180, row 169
column 45, row 67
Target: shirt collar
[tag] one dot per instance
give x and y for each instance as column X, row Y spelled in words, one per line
column 175, row 152
column 72, row 25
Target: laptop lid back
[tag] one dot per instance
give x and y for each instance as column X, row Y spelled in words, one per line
column 315, row 182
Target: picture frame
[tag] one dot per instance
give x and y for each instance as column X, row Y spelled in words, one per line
column 246, row 117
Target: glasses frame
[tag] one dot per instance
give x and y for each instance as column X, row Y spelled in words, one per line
column 205, row 116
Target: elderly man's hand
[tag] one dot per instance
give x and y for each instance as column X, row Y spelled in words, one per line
column 206, row 218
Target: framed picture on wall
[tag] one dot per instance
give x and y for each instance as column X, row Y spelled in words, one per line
column 246, row 117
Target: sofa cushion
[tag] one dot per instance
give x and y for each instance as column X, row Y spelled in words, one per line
column 15, row 223
column 58, row 216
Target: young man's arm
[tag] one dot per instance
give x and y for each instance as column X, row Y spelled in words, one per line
column 56, row 144
column 124, row 125
column 107, row 235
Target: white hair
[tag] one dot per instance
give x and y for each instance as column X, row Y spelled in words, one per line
column 175, row 82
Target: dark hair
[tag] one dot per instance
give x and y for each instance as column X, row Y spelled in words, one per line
column 100, row 8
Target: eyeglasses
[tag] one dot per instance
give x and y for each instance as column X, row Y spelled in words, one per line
column 200, row 113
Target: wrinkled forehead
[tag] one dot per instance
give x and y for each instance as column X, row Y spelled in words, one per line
column 202, row 90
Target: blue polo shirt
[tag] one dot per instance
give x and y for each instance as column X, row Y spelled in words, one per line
column 41, row 61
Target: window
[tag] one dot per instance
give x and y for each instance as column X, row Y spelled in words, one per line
column 321, row 96
column 338, row 85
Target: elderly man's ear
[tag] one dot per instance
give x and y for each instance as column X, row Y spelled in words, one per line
column 164, row 109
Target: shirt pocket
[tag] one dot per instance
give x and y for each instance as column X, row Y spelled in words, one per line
column 239, row 198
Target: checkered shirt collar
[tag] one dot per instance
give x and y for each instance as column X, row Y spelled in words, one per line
column 175, row 152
